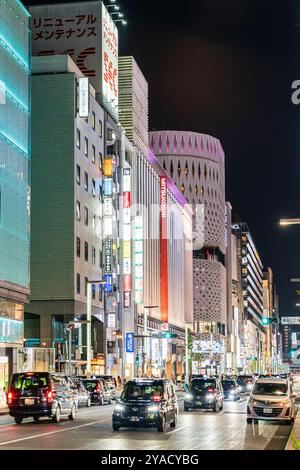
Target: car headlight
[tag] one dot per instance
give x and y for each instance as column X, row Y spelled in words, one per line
column 188, row 396
column 210, row 396
column 119, row 407
column 153, row 409
column 252, row 402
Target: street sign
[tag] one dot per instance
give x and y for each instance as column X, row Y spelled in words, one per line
column 290, row 320
column 129, row 342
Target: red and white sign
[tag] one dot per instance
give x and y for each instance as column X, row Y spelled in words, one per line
column 86, row 32
column 165, row 327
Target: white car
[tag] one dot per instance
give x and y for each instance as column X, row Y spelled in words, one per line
column 271, row 399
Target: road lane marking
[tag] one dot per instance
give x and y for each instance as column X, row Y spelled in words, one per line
column 175, row 430
column 51, row 432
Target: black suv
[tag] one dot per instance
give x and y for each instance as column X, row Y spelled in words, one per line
column 204, row 393
column 146, row 403
column 40, row 394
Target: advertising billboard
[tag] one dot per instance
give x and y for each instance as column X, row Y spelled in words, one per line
column 290, row 320
column 164, row 248
column 86, row 32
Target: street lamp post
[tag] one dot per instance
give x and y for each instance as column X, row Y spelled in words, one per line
column 89, row 325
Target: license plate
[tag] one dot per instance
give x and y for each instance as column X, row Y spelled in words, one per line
column 29, row 401
column 134, row 419
column 268, row 410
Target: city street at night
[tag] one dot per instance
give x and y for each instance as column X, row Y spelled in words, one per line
column 196, row 430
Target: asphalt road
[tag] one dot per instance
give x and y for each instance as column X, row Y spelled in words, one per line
column 196, row 430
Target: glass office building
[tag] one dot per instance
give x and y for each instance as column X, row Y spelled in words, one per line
column 15, row 70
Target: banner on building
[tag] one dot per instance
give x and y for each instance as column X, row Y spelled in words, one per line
column 164, row 248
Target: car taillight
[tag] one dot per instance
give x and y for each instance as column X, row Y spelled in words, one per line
column 49, row 395
column 156, row 398
column 10, row 397
column 98, row 389
column 210, row 390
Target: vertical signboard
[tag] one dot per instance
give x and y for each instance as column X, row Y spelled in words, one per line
column 84, row 97
column 127, row 275
column 138, row 260
column 164, row 248
column 86, row 32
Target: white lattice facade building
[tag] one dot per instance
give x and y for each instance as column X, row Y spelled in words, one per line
column 195, row 162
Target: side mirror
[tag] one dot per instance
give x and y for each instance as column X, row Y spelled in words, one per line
column 294, row 395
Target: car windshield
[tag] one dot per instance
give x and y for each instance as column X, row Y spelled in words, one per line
column 25, row 383
column 91, row 385
column 244, row 379
column 137, row 391
column 269, row 388
column 202, row 385
column 227, row 384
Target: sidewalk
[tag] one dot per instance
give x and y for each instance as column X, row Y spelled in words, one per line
column 294, row 440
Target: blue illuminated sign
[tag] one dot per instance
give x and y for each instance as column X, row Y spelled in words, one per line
column 11, row 331
column 108, row 283
column 129, row 342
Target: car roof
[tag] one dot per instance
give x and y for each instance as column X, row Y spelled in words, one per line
column 272, row 380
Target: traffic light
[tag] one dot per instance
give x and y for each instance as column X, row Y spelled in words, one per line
column 137, row 360
column 168, row 335
column 265, row 321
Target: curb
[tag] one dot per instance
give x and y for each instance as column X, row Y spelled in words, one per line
column 296, row 431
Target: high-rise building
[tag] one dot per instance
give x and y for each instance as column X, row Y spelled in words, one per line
column 67, row 217
column 253, row 337
column 270, row 309
column 195, row 162
column 162, row 260
column 15, row 109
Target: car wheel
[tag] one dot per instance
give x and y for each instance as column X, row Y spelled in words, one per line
column 56, row 417
column 88, row 403
column 249, row 420
column 215, row 408
column 255, row 421
column 72, row 415
column 36, row 419
column 101, row 401
column 162, row 425
column 109, row 402
column 115, row 427
column 174, row 423
column 293, row 420
column 18, row 419
column 186, row 408
column 221, row 407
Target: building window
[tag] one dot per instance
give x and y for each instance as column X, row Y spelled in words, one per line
column 78, row 283
column 85, row 286
column 78, row 139
column 93, row 121
column 78, row 174
column 100, row 260
column 101, row 161
column 86, row 181
column 86, row 147
column 93, row 188
column 78, row 210
column 93, row 291
column 100, row 293
column 78, row 247
column 100, row 193
column 100, row 129
column 94, row 222
column 86, row 216
column 93, row 154
column 86, row 251
column 93, row 255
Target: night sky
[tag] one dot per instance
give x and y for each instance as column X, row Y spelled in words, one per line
column 225, row 67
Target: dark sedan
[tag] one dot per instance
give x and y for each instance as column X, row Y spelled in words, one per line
column 99, row 393
column 231, row 390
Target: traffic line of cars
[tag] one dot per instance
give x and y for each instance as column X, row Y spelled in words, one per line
column 39, row 394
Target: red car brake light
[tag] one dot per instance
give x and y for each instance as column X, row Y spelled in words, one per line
column 156, row 397
column 210, row 390
column 49, row 396
column 9, row 398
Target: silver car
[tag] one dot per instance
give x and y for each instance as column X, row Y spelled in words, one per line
column 271, row 399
